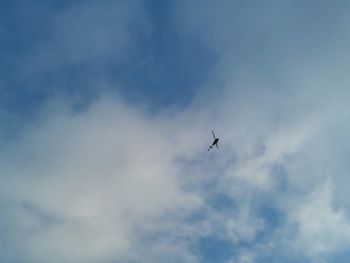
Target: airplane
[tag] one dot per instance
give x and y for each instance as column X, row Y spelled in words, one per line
column 215, row 142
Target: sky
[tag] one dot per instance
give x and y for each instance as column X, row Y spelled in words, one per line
column 106, row 113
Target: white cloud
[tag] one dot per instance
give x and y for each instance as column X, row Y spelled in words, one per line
column 320, row 227
column 79, row 184
column 113, row 183
column 281, row 100
column 245, row 227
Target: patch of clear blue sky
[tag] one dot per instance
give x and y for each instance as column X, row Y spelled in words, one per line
column 164, row 69
column 168, row 65
column 214, row 249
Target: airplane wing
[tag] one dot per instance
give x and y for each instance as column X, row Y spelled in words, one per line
column 213, row 134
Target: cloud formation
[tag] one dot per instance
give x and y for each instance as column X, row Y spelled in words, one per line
column 85, row 181
column 112, row 181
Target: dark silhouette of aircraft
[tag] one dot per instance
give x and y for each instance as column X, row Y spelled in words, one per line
column 215, row 142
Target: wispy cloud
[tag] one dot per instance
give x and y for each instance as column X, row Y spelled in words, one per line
column 97, row 178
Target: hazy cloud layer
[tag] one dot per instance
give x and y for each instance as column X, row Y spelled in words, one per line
column 94, row 177
column 285, row 90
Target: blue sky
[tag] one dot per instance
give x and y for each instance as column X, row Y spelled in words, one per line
column 106, row 111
